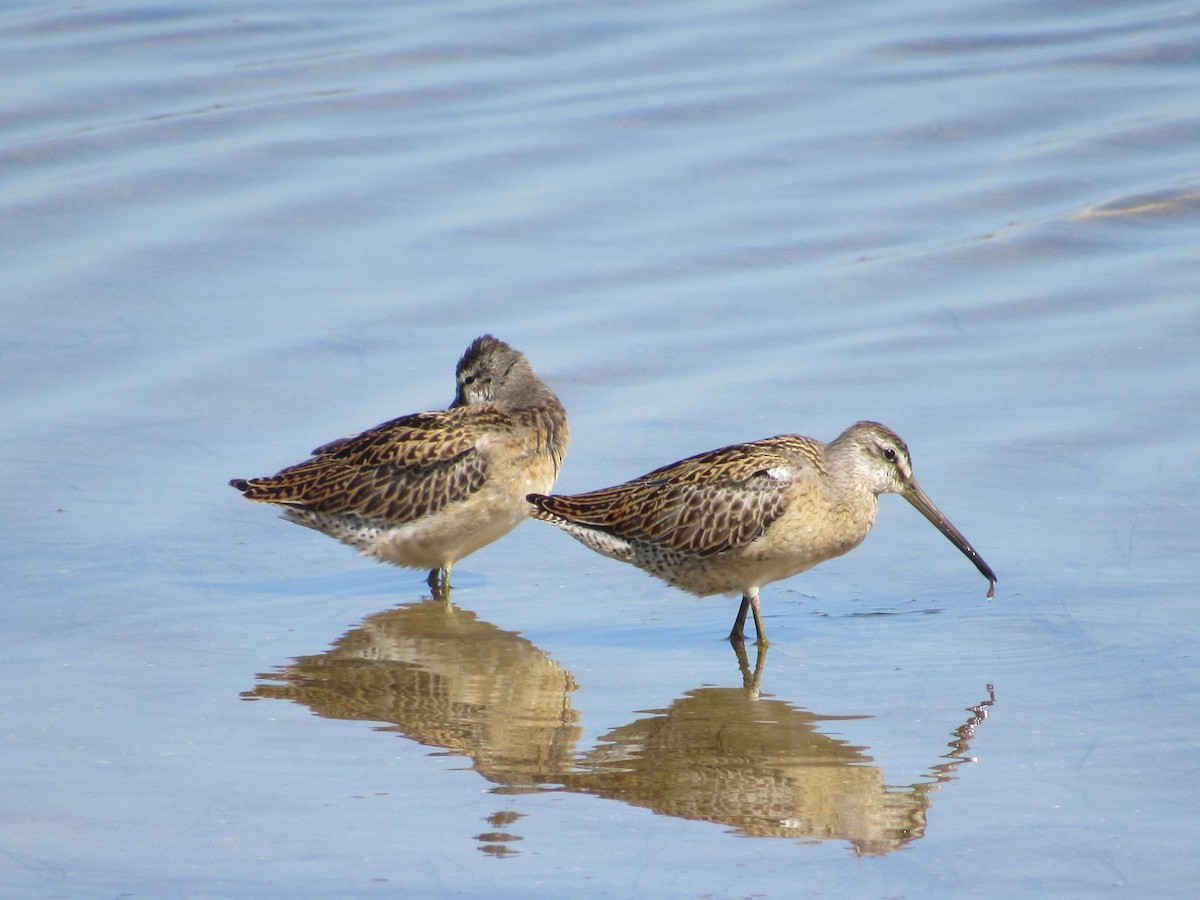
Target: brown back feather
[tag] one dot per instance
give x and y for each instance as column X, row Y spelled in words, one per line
column 709, row 503
column 398, row 471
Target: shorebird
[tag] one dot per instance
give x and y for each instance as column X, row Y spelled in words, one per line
column 735, row 519
column 425, row 490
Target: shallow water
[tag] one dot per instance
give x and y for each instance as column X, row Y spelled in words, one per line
column 230, row 233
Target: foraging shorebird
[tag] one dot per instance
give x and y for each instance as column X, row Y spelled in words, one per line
column 733, row 520
column 425, row 490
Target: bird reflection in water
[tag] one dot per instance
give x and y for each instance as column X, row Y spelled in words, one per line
column 763, row 766
column 732, row 756
column 444, row 678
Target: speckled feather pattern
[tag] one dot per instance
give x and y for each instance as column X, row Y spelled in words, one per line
column 706, row 504
column 396, row 472
column 735, row 519
column 426, row 489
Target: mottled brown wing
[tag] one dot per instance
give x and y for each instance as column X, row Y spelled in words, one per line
column 398, row 471
column 706, row 504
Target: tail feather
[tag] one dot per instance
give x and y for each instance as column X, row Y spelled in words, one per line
column 273, row 489
column 597, row 509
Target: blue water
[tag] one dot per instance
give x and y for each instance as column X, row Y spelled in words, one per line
column 230, row 232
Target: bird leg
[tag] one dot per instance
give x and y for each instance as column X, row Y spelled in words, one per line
column 439, row 583
column 756, row 608
column 750, row 603
column 738, row 635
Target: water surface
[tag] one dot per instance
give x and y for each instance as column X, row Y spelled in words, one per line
column 230, row 233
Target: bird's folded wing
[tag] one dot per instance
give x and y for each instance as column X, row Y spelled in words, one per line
column 703, row 505
column 398, row 471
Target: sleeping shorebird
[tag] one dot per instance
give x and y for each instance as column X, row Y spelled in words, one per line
column 733, row 520
column 425, row 490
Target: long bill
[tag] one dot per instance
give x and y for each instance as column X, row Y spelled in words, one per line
column 917, row 497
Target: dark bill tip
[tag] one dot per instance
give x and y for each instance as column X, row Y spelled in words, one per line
column 924, row 505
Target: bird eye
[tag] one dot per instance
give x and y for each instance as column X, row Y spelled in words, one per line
column 470, row 379
column 889, row 454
